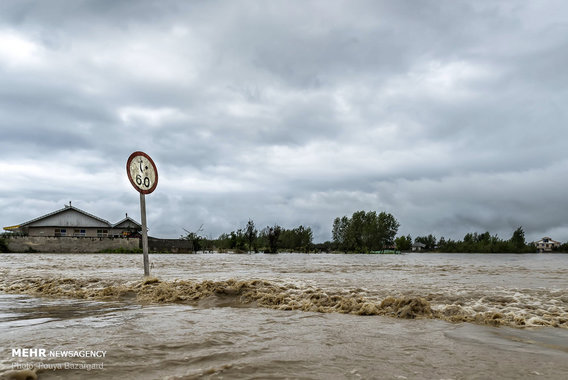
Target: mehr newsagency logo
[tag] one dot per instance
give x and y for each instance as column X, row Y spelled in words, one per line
column 76, row 359
column 44, row 353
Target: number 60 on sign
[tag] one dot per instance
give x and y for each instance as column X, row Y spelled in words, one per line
column 142, row 172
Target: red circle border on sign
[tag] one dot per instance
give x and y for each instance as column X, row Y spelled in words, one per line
column 138, row 153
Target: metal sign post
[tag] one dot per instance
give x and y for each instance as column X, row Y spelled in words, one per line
column 144, row 234
column 143, row 175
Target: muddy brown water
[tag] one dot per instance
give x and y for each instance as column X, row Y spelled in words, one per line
column 413, row 316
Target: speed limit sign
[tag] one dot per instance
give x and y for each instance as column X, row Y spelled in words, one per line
column 143, row 175
column 142, row 172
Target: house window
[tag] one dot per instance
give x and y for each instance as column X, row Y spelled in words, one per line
column 102, row 233
column 79, row 233
column 60, row 232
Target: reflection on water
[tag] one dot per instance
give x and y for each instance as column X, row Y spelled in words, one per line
column 19, row 310
column 290, row 316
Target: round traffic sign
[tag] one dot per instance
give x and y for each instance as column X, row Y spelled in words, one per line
column 142, row 172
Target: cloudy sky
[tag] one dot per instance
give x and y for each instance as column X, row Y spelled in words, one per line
column 451, row 115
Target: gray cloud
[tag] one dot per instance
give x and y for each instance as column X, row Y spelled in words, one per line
column 447, row 114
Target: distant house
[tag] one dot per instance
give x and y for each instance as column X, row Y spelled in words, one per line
column 417, row 247
column 546, row 244
column 71, row 221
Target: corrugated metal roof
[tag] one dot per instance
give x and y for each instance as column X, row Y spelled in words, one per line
column 66, row 208
column 126, row 220
column 74, row 209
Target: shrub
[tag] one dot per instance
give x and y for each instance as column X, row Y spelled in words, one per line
column 3, row 246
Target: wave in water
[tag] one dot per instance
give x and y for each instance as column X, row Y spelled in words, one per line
column 488, row 309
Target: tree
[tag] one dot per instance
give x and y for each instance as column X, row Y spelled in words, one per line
column 428, row 241
column 326, row 246
column 250, row 234
column 3, row 245
column 194, row 238
column 237, row 240
column 355, row 231
column 518, row 240
column 298, row 239
column 388, row 227
column 370, row 231
column 273, row 233
column 223, row 241
column 441, row 242
column 403, row 243
column 302, row 238
column 339, row 232
column 364, row 231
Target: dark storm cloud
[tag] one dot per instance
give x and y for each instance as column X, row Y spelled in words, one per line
column 447, row 114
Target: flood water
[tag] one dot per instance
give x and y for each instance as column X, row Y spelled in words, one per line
column 285, row 316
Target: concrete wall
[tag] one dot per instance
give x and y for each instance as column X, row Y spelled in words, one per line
column 69, row 244
column 169, row 245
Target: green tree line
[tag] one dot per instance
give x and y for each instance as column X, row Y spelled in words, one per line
column 249, row 238
column 363, row 232
column 479, row 243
